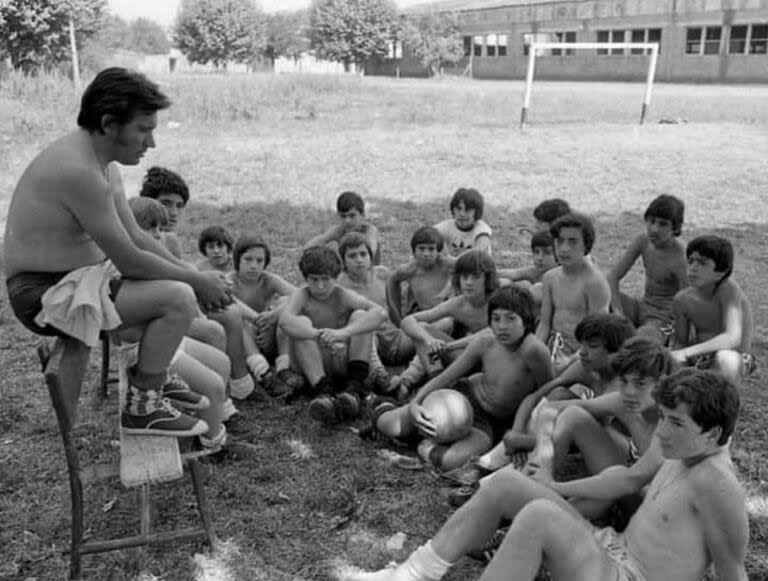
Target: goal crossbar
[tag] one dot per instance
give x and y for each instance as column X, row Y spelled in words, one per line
column 534, row 47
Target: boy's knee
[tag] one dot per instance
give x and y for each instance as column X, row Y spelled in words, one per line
column 728, row 363
column 230, row 318
column 560, row 394
column 181, row 298
column 540, row 514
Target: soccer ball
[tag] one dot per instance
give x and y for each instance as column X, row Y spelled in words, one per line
column 451, row 413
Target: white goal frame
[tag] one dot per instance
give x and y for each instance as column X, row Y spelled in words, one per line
column 534, row 47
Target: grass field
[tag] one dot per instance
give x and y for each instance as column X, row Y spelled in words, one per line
column 270, row 155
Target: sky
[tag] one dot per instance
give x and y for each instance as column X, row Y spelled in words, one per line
column 164, row 11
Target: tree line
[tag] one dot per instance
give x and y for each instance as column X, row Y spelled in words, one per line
column 34, row 34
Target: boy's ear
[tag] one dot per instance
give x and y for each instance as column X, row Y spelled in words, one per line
column 714, row 434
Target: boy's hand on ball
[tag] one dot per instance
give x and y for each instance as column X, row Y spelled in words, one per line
column 421, row 419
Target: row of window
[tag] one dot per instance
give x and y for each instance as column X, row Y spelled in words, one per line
column 742, row 39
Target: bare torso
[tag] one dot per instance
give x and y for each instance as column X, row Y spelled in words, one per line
column 257, row 293
column 570, row 301
column 706, row 313
column 427, row 286
column 331, row 313
column 41, row 233
column 473, row 317
column 664, row 268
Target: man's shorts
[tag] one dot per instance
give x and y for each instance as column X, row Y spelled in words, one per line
column 614, row 544
column 561, row 354
column 25, row 293
column 707, row 361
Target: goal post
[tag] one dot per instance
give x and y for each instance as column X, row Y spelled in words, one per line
column 535, row 47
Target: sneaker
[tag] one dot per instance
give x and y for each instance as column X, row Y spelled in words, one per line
column 458, row 496
column 181, row 396
column 229, row 410
column 348, row 406
column 486, row 552
column 323, row 409
column 162, row 420
column 284, row 384
column 215, row 443
column 379, row 381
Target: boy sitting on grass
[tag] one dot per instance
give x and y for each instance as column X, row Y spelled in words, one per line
column 572, row 290
column 351, row 211
column 693, row 516
column 548, row 211
column 599, row 337
column 465, row 230
column 663, row 260
column 529, row 277
column 215, row 244
column 474, row 281
column 513, row 364
column 331, row 331
column 428, row 275
column 713, row 318
column 170, row 189
column 264, row 294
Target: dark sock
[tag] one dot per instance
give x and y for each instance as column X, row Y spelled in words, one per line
column 358, row 370
column 145, row 381
column 322, row 387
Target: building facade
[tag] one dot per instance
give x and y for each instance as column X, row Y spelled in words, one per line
column 700, row 40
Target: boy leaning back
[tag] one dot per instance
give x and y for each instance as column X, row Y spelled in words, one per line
column 331, row 330
column 572, row 290
column 664, row 263
column 713, row 318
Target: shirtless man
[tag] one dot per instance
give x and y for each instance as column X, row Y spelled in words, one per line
column 663, row 258
column 572, row 290
column 693, row 514
column 69, row 211
column 713, row 318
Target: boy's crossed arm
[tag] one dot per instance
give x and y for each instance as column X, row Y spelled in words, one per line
column 402, row 274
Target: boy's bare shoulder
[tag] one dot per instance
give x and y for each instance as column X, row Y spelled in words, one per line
column 553, row 274
column 684, row 297
column 405, row 270
column 715, row 478
column 730, row 289
column 533, row 347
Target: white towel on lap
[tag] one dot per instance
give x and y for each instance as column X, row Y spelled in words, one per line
column 79, row 304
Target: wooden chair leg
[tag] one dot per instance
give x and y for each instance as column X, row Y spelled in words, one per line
column 104, row 385
column 196, row 473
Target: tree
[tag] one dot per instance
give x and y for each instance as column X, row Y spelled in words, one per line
column 352, row 31
column 35, row 33
column 435, row 39
column 218, row 31
column 287, row 34
column 148, row 37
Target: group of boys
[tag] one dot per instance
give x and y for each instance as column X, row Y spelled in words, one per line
column 551, row 357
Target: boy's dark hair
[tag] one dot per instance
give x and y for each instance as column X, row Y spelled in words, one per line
column 427, row 235
column 611, row 330
column 320, row 260
column 246, row 243
column 121, row 94
column 476, row 262
column 518, row 300
column 473, row 200
column 149, row 213
column 550, row 210
column 160, row 180
column 575, row 220
column 712, row 400
column 214, row 234
column 669, row 208
column 643, row 357
column 715, row 248
column 542, row 239
column 350, row 201
column 353, row 240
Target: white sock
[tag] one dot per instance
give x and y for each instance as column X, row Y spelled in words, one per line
column 242, row 387
column 282, row 362
column 257, row 364
column 424, row 564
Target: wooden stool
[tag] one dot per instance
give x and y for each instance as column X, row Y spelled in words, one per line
column 143, row 459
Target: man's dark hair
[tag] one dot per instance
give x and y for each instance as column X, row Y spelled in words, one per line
column 121, row 94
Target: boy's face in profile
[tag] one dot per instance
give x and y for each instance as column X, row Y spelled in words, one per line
column 463, row 216
column 679, row 436
column 425, row 254
column 217, row 253
column 351, row 219
column 701, row 271
column 320, row 286
column 174, row 206
column 593, row 354
column 660, row 230
column 472, row 284
column 252, row 261
column 507, row 326
column 543, row 258
column 357, row 259
column 636, row 392
column 569, row 245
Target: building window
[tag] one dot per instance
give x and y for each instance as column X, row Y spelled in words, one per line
column 654, row 35
column 478, row 46
column 467, row 45
column 490, row 45
column 502, row 45
column 617, row 36
column 759, row 42
column 645, row 35
column 603, row 36
column 693, row 41
column 529, row 38
column 712, row 39
column 737, row 42
column 564, row 37
column 610, row 36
